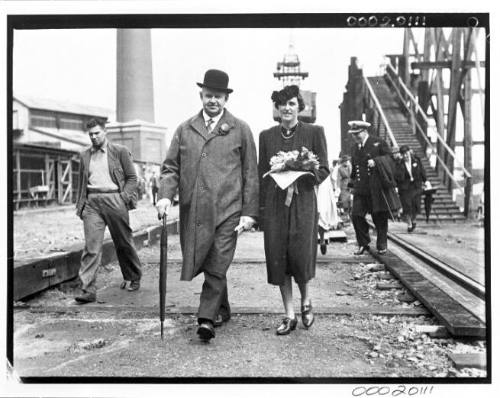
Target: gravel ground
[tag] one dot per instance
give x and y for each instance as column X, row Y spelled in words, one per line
column 119, row 336
column 37, row 233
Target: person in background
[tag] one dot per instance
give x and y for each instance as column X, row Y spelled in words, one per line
column 212, row 161
column 410, row 175
column 154, row 183
column 291, row 232
column 373, row 184
column 104, row 199
column 327, row 207
column 344, row 175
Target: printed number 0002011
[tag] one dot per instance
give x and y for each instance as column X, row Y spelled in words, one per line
column 385, row 21
column 394, row 391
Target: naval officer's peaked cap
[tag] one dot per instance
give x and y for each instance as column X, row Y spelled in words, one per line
column 357, row 126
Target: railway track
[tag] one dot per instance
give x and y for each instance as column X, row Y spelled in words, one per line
column 456, row 299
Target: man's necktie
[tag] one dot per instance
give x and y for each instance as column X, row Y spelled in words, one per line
column 210, row 123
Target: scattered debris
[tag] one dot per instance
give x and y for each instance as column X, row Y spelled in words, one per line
column 406, row 297
column 375, row 267
column 432, row 330
column 388, row 286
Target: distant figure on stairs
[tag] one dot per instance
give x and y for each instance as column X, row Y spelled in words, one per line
column 410, row 175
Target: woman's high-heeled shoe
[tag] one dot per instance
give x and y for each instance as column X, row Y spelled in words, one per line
column 307, row 315
column 287, row 325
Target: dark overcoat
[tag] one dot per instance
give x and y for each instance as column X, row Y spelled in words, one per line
column 290, row 233
column 216, row 175
column 366, row 181
column 122, row 172
column 410, row 191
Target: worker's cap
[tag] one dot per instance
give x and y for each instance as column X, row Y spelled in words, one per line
column 357, row 126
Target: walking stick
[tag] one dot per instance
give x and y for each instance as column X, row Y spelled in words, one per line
column 163, row 271
column 387, row 204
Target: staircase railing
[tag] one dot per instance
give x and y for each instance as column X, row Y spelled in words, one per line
column 378, row 118
column 419, row 122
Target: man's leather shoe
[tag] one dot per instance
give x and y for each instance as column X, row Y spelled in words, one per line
column 307, row 315
column 134, row 285
column 85, row 298
column 322, row 247
column 287, row 325
column 361, row 250
column 123, row 285
column 206, row 331
column 219, row 320
column 413, row 226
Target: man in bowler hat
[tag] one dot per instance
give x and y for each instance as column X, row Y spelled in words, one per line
column 368, row 192
column 212, row 161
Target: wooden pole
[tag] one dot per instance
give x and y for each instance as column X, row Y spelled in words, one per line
column 18, row 178
column 467, row 111
column 455, row 84
column 405, row 72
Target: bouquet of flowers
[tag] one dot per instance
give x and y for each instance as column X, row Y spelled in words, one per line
column 287, row 167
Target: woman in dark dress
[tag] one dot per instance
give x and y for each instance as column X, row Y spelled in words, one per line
column 410, row 175
column 290, row 232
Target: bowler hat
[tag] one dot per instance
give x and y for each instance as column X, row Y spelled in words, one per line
column 216, row 80
column 357, row 126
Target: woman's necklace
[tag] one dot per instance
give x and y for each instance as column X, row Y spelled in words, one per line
column 287, row 134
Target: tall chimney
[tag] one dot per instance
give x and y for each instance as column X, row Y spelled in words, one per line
column 134, row 83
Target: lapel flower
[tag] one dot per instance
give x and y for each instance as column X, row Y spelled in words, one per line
column 414, row 164
column 224, row 129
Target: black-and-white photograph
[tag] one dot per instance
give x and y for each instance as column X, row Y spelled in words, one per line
column 263, row 198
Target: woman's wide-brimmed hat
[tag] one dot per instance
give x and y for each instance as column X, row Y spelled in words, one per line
column 216, row 80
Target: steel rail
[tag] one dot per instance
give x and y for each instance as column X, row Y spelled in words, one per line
column 445, row 269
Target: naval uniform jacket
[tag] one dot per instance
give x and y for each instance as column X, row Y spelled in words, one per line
column 216, row 175
column 366, row 181
column 290, row 233
column 121, row 170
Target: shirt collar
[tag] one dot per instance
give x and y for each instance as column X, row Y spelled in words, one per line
column 103, row 148
column 216, row 119
column 364, row 141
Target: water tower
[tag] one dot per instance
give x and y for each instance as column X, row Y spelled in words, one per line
column 288, row 72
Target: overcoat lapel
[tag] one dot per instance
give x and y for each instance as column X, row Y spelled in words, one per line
column 227, row 118
column 198, row 124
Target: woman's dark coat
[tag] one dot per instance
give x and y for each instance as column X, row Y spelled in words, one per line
column 290, row 233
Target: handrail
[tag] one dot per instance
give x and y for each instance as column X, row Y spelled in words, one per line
column 424, row 115
column 381, row 112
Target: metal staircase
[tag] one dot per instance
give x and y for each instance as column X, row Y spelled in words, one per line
column 444, row 208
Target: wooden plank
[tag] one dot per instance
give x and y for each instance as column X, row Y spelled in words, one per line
column 455, row 317
column 426, row 65
column 469, row 360
column 36, row 275
column 152, row 310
